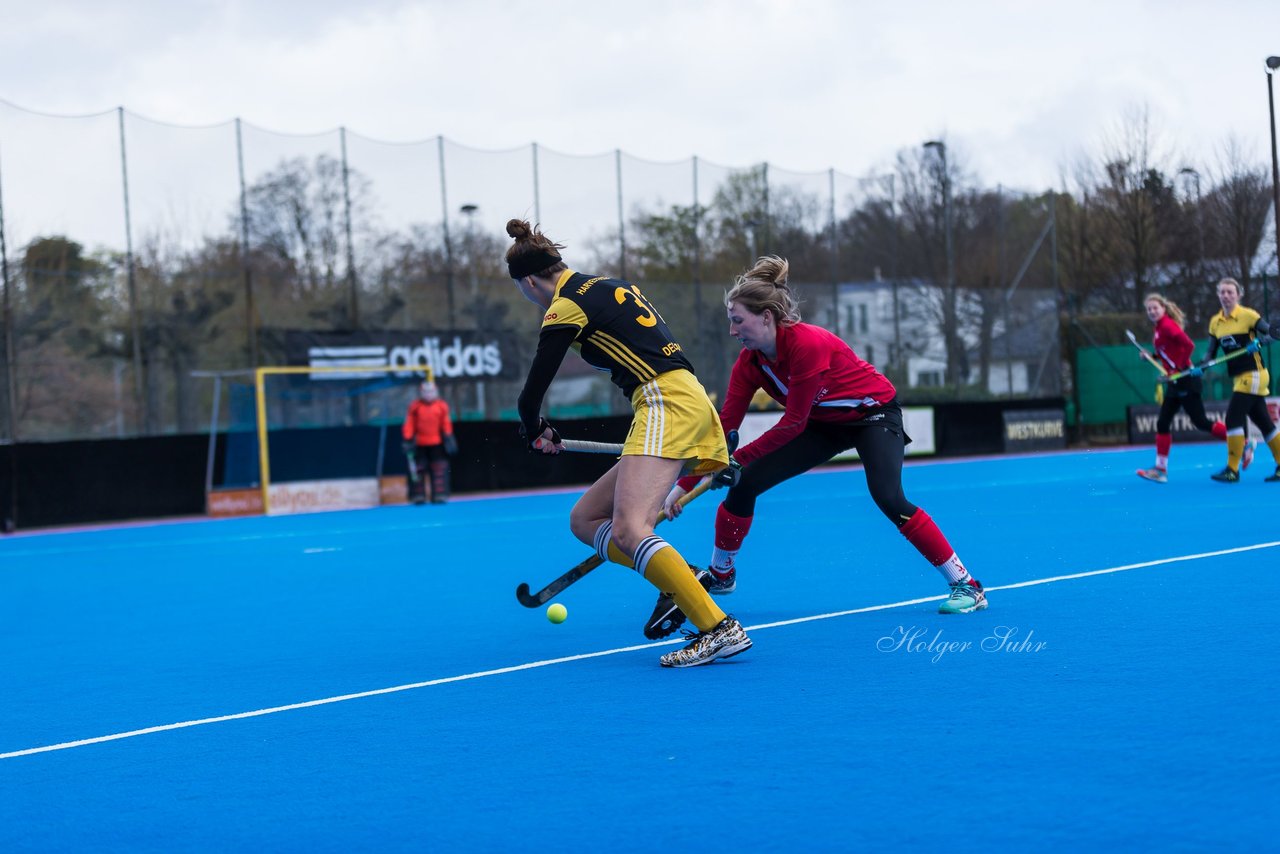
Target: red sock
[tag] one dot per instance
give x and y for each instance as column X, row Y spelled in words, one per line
column 731, row 530
column 1164, row 441
column 1219, row 430
column 922, row 533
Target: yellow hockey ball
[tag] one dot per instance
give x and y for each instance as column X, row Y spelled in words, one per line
column 557, row 613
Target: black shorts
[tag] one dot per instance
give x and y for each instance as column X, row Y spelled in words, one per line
column 888, row 417
column 1187, row 386
column 879, row 439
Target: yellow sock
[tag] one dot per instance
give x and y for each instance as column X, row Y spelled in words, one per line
column 616, row 556
column 668, row 572
column 611, row 553
column 1235, row 450
column 1274, row 445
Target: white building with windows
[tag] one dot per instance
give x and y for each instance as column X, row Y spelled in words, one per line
column 1264, row 260
column 893, row 326
column 897, row 327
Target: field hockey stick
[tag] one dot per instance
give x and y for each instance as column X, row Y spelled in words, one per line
column 580, row 447
column 1209, row 364
column 1150, row 358
column 536, row 600
column 413, row 465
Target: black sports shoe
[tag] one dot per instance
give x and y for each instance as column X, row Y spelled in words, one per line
column 1275, row 478
column 667, row 616
column 1227, row 475
column 724, row 583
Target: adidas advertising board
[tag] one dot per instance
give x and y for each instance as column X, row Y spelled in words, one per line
column 462, row 355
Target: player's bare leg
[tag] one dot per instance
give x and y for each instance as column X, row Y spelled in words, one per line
column 639, row 485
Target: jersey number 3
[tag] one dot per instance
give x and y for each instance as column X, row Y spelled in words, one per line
column 649, row 317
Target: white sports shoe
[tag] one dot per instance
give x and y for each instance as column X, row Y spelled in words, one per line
column 966, row 597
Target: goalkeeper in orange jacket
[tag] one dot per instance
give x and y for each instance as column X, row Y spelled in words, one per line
column 428, row 443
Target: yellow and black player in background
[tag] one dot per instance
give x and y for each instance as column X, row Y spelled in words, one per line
column 1234, row 329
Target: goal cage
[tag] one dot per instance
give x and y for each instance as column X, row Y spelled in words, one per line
column 296, row 439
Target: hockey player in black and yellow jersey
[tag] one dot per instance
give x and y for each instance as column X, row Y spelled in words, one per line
column 675, row 429
column 1240, row 330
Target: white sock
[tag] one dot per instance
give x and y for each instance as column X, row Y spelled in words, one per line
column 953, row 570
column 722, row 560
column 1162, row 463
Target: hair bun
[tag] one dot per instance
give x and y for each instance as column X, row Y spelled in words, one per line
column 778, row 270
column 518, row 229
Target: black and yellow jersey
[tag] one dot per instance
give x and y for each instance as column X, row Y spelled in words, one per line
column 617, row 329
column 1234, row 333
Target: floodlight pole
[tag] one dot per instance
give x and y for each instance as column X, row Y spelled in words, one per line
column 469, row 212
column 1273, row 62
column 950, row 320
column 1195, row 177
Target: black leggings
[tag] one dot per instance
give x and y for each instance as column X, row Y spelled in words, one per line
column 1252, row 406
column 879, row 447
column 1183, row 395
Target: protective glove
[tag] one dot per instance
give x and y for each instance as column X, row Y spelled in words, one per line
column 1253, row 346
column 540, row 442
column 450, row 445
column 1195, row 371
column 727, row 476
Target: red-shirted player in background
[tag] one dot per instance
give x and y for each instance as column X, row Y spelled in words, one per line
column 1173, row 349
column 834, row 401
column 429, row 442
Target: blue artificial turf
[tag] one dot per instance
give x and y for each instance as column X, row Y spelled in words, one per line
column 1124, row 710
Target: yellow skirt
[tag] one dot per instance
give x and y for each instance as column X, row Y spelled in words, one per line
column 676, row 420
column 1252, row 382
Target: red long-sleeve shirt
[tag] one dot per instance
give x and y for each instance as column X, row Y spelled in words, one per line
column 1172, row 345
column 427, row 423
column 815, row 376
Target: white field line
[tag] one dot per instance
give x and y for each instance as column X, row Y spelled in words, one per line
column 84, row 742
column 1033, row 583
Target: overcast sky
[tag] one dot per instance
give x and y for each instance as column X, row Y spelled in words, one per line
column 1018, row 89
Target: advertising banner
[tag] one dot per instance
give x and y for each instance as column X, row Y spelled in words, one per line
column 1034, row 430
column 1142, row 422
column 234, row 502
column 464, row 355
column 311, row 496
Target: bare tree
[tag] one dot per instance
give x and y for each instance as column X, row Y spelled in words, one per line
column 68, row 329
column 924, row 222
column 1236, row 210
column 297, row 217
column 1135, row 200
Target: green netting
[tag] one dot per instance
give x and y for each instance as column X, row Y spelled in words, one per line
column 1113, row 378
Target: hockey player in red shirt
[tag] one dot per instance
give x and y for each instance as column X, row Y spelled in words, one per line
column 833, row 401
column 1173, row 350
